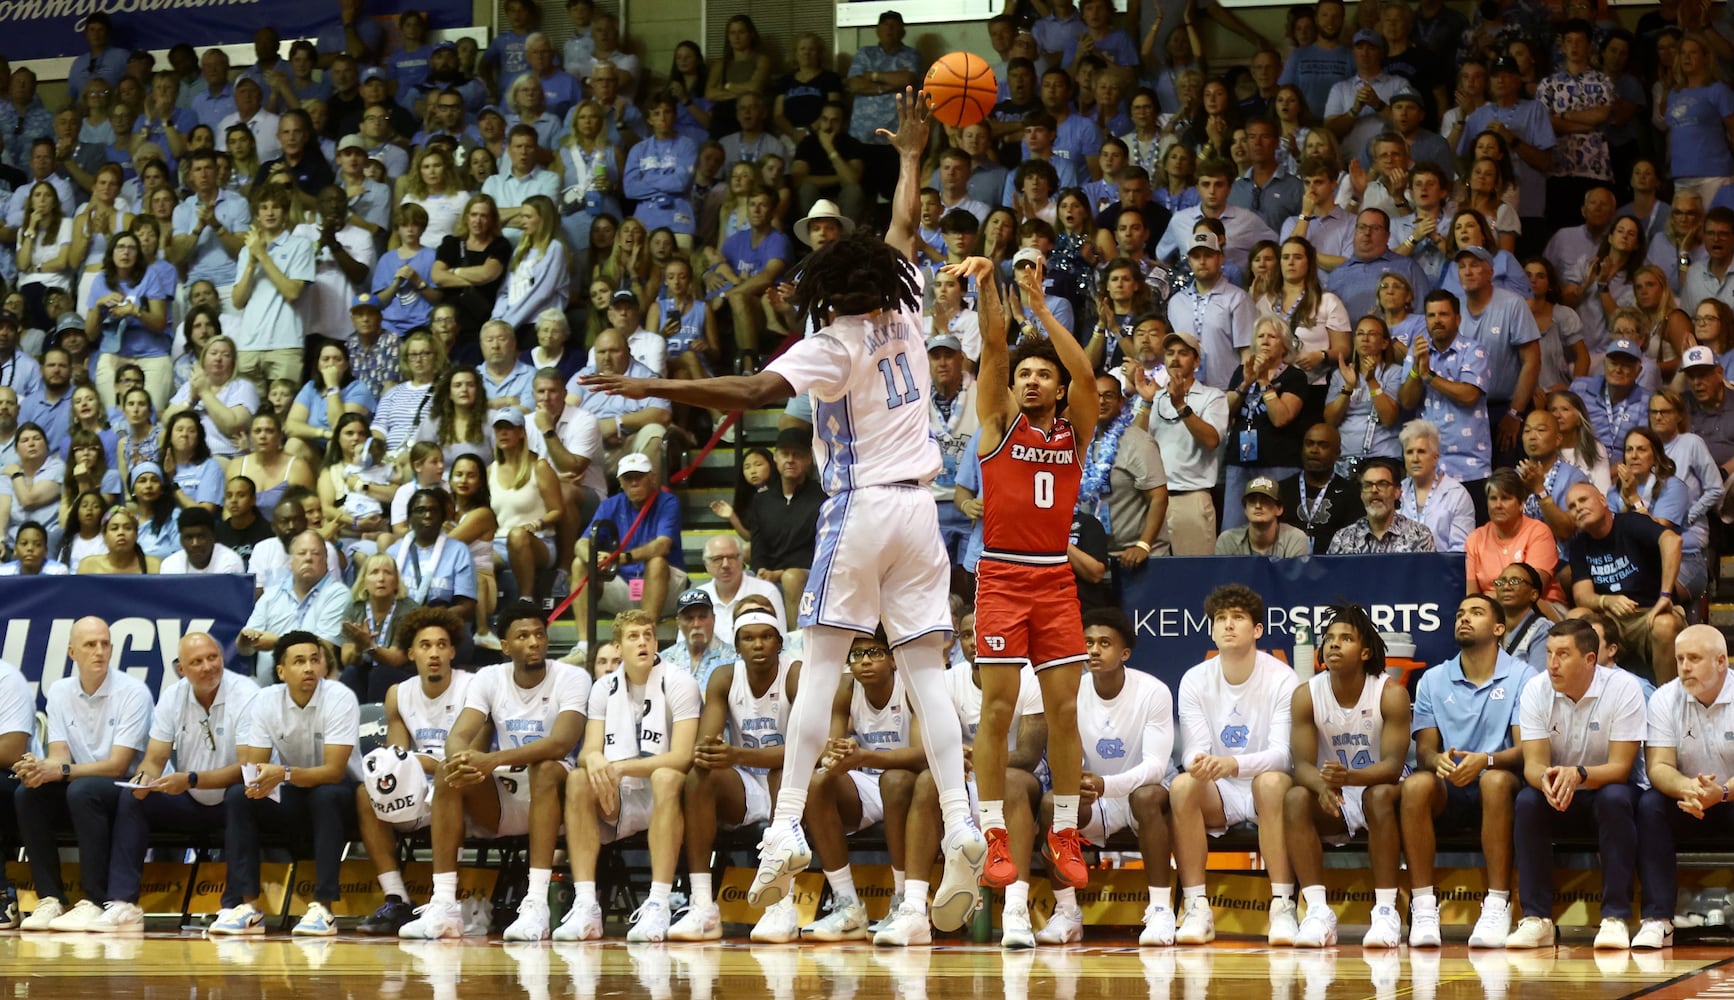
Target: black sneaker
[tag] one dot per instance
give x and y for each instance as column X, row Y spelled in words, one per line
column 9, row 916
column 386, row 920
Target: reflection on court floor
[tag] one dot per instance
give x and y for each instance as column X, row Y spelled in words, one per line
column 194, row 968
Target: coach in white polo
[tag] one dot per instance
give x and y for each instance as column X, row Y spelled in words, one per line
column 1690, row 753
column 98, row 721
column 1188, row 420
column 188, row 764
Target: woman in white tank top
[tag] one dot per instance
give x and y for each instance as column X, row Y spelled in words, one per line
column 526, row 497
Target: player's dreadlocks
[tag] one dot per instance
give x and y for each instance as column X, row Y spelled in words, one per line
column 855, row 275
column 1355, row 617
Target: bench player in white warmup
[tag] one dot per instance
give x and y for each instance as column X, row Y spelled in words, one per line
column 879, row 557
column 419, row 713
column 525, row 715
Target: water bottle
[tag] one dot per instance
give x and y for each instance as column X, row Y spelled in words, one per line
column 560, row 894
column 981, row 922
column 1303, row 653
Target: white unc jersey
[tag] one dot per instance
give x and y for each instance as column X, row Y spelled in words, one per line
column 871, row 391
column 1348, row 736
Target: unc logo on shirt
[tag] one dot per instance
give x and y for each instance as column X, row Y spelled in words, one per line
column 1595, row 727
column 808, row 602
column 1234, row 737
column 1497, row 694
column 1110, row 749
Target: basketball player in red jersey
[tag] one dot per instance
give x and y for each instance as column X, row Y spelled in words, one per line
column 1026, row 597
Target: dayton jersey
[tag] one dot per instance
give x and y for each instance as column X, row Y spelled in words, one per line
column 1030, row 488
column 430, row 720
column 1348, row 736
column 883, row 728
column 522, row 716
column 1250, row 720
column 1129, row 738
column 757, row 721
column 870, row 384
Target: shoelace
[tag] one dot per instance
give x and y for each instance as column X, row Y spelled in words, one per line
column 638, row 914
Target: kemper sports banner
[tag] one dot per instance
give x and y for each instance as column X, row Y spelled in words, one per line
column 146, row 615
column 40, row 29
column 1417, row 594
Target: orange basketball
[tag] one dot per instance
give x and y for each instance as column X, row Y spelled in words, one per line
column 962, row 88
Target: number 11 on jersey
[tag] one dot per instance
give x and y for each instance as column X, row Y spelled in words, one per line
column 893, row 398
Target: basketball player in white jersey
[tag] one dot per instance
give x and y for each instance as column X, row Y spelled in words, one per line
column 419, row 714
column 739, row 749
column 638, row 748
column 1234, row 746
column 870, row 766
column 876, row 453
column 1126, row 725
column 507, row 758
column 1351, row 744
column 906, row 922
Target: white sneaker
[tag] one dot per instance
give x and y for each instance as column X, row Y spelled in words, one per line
column 1654, row 934
column 79, row 918
column 1284, row 922
column 698, row 925
column 650, row 924
column 1494, row 924
column 117, row 917
column 1385, row 930
column 783, row 854
column 890, row 911
column 532, row 922
column 1532, row 932
column 779, row 924
column 957, row 895
column 1066, row 926
column 1015, row 931
column 318, row 921
column 1319, row 929
column 243, row 919
column 434, row 921
column 1197, row 923
column 1424, row 923
column 583, row 923
column 847, row 921
column 1158, row 927
column 47, row 911
column 1613, row 936
column 904, row 927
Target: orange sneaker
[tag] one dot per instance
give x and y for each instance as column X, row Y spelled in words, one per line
column 1000, row 870
column 1064, row 852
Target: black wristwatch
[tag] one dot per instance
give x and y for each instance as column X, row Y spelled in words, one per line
column 1582, row 773
column 192, row 779
column 66, row 772
column 1185, row 412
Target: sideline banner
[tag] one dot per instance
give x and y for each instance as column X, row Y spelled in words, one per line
column 146, row 615
column 1417, row 594
column 39, row 29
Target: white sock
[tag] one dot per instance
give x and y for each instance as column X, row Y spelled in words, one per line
column 791, row 806
column 1314, row 895
column 898, row 881
column 701, row 891
column 659, row 892
column 582, row 892
column 842, row 882
column 1065, row 812
column 1017, row 894
column 992, row 814
column 954, row 808
column 1385, row 897
column 1419, row 893
column 809, row 722
column 538, row 887
column 1503, row 895
column 392, row 884
column 445, row 887
column 1282, row 890
column 1162, row 896
column 915, row 895
column 1065, row 899
column 1190, row 892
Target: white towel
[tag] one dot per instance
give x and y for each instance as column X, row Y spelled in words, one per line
column 635, row 728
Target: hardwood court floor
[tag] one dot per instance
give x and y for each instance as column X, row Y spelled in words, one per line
column 185, row 967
